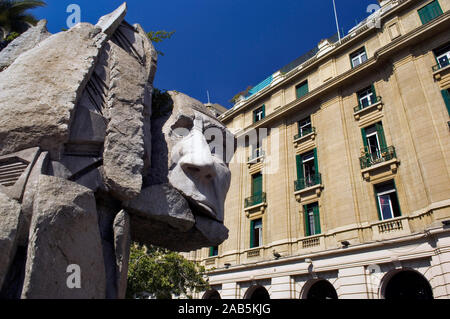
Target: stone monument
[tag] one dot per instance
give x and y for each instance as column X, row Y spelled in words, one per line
column 88, row 164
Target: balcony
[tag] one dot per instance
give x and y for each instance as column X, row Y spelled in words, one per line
column 256, row 157
column 383, row 155
column 255, row 200
column 308, row 188
column 441, row 69
column 366, row 110
column 378, row 165
column 390, row 228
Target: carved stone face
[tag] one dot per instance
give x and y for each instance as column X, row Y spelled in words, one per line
column 196, row 144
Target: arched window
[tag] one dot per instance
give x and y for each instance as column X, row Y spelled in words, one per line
column 211, row 294
column 257, row 293
column 407, row 285
column 320, row 290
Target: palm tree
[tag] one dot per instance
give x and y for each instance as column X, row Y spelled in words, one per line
column 14, row 18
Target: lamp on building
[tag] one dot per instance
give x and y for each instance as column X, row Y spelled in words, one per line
column 308, row 261
column 227, row 265
column 345, row 243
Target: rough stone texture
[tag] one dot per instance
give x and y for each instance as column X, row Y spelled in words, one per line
column 39, row 167
column 110, row 22
column 122, row 243
column 26, row 41
column 9, row 224
column 124, row 144
column 164, row 204
column 39, row 91
column 64, row 231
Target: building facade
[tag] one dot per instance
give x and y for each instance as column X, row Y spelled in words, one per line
column 345, row 192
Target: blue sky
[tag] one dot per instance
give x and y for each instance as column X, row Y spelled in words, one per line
column 222, row 46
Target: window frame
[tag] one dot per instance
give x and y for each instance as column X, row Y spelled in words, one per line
column 439, row 55
column 358, row 54
column 213, row 251
column 306, row 122
column 425, row 19
column 253, row 228
column 303, row 84
column 259, row 114
column 393, row 210
column 371, row 96
column 312, row 211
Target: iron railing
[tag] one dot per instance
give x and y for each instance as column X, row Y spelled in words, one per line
column 305, row 132
column 256, row 154
column 440, row 65
column 309, row 181
column 255, row 200
column 382, row 155
column 373, row 100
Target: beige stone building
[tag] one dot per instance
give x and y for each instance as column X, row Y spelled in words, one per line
column 348, row 193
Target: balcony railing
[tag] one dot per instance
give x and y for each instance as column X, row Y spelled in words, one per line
column 258, row 153
column 305, row 132
column 441, row 65
column 373, row 100
column 383, row 155
column 255, row 200
column 307, row 182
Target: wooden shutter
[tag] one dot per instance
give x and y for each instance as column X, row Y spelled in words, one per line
column 364, row 136
column 378, row 205
column 252, row 234
column 374, row 96
column 264, row 111
column 381, row 137
column 430, row 12
column 307, row 230
column 302, row 89
column 317, row 229
column 257, row 184
column 446, row 96
column 316, row 162
column 299, row 167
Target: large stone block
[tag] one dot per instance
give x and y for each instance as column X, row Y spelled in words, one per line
column 64, row 231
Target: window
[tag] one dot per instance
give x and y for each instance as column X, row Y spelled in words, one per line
column 213, row 251
column 367, row 97
column 302, row 89
column 256, row 233
column 374, row 141
column 307, row 170
column 387, row 201
column 312, row 219
column 358, row 57
column 443, row 56
column 259, row 114
column 304, row 127
column 257, row 152
column 430, row 12
column 257, row 184
column 446, row 96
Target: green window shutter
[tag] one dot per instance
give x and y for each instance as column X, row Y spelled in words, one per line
column 396, row 194
column 307, row 230
column 252, row 234
column 374, row 96
column 446, row 96
column 364, row 137
column 299, row 167
column 264, row 111
column 430, row 12
column 381, row 137
column 257, row 184
column 211, row 251
column 316, row 162
column 302, row 90
column 378, row 206
column 317, row 220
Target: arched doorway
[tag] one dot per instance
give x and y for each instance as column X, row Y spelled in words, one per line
column 211, row 294
column 257, row 293
column 407, row 285
column 321, row 290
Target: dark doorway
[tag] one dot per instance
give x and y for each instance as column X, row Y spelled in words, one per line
column 212, row 295
column 408, row 285
column 322, row 290
column 257, row 293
